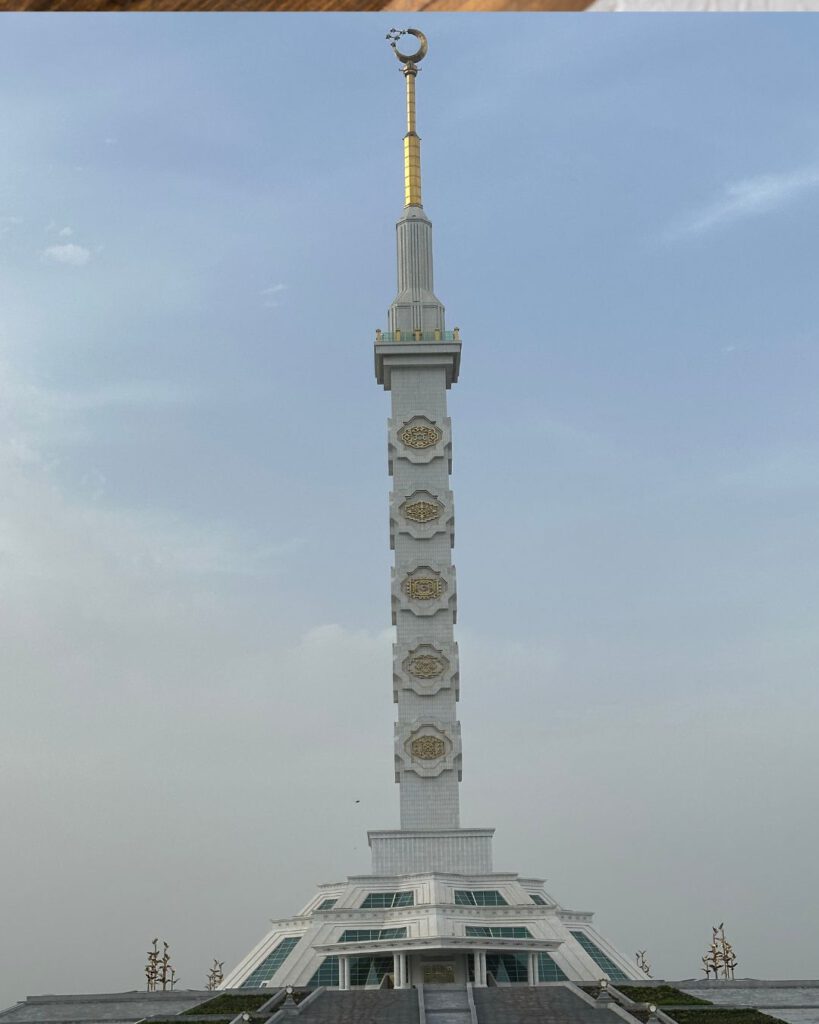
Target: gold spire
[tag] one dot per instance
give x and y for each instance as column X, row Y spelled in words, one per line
column 412, row 142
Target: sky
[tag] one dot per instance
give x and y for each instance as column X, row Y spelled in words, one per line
column 196, row 247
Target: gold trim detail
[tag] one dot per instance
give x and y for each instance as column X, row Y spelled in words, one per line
column 420, row 436
column 427, row 748
column 425, row 666
column 423, row 588
column 422, row 511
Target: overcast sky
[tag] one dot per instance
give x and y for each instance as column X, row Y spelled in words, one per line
column 196, row 246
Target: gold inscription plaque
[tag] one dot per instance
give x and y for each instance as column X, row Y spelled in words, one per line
column 427, row 748
column 423, row 588
column 420, row 436
column 422, row 511
column 425, row 666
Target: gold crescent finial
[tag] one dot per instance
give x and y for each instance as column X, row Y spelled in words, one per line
column 395, row 34
column 412, row 143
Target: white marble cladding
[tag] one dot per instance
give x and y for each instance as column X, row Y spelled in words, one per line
column 424, row 666
column 422, row 514
column 418, row 439
column 433, row 919
column 415, row 307
column 466, row 850
column 423, row 590
column 446, row 756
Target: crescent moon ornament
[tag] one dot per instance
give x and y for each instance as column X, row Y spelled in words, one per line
column 413, row 58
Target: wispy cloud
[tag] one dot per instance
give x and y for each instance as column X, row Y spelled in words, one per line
column 269, row 294
column 7, row 223
column 71, row 254
column 748, row 197
column 65, row 232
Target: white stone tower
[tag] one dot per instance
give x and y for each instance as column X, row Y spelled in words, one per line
column 433, row 909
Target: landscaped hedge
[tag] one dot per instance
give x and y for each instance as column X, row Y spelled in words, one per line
column 231, row 1003
column 715, row 1015
column 660, row 995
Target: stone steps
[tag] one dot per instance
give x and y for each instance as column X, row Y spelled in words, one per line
column 378, row 1006
column 446, row 1004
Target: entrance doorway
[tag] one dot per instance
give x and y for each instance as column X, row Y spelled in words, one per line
column 439, row 973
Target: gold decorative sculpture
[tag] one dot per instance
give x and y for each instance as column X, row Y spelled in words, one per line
column 422, row 511
column 642, row 963
column 420, row 435
column 720, row 958
column 215, row 975
column 425, row 666
column 427, row 748
column 423, row 588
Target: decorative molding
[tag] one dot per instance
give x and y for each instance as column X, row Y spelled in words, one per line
column 423, row 589
column 425, row 666
column 427, row 747
column 419, row 438
column 421, row 514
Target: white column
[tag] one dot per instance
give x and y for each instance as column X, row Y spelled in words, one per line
column 480, row 969
column 343, row 972
column 533, row 969
column 404, row 970
column 396, row 970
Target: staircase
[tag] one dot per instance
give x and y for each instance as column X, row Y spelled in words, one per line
column 447, row 1004
column 359, row 1006
column 544, row 1004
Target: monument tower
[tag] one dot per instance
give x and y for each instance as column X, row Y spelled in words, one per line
column 433, row 908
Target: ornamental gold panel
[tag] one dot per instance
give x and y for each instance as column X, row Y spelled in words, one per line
column 423, row 588
column 419, row 435
column 427, row 748
column 425, row 666
column 422, row 511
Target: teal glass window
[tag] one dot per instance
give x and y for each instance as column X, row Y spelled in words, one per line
column 326, row 975
column 388, row 899
column 548, row 970
column 479, row 898
column 372, row 934
column 508, row 967
column 537, row 898
column 326, row 904
column 600, row 958
column 271, row 963
column 369, row 970
column 504, row 932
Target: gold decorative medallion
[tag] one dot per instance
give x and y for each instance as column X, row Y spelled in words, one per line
column 425, row 666
column 422, row 511
column 427, row 748
column 420, row 436
column 423, row 588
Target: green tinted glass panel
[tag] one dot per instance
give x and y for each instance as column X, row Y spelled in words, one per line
column 508, row 967
column 535, row 898
column 326, row 904
column 326, row 975
column 479, row 898
column 548, row 970
column 369, row 970
column 372, row 934
column 504, row 932
column 600, row 958
column 271, row 963
column 388, row 899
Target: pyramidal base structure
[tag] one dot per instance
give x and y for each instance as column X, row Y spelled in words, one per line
column 433, row 910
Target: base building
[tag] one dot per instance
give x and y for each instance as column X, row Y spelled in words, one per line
column 433, row 910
